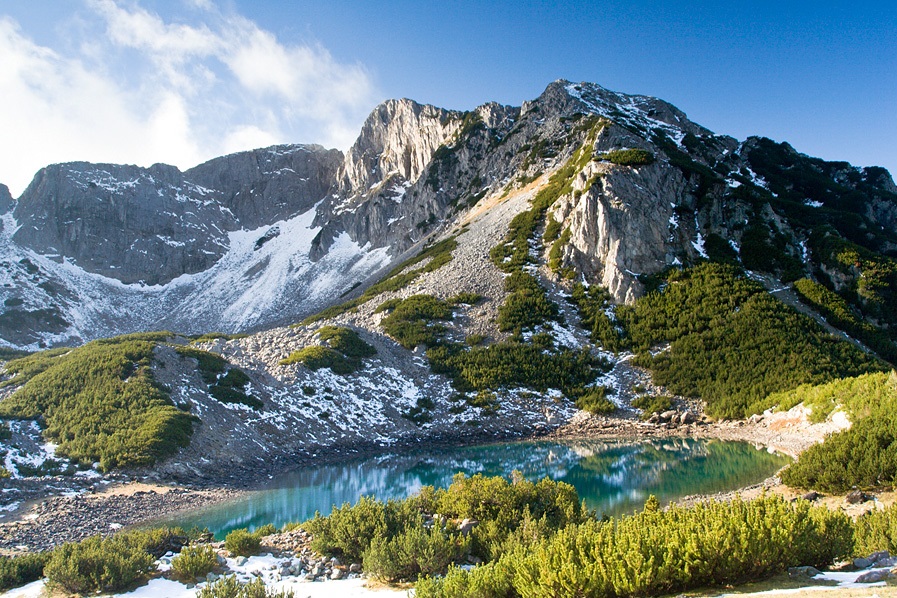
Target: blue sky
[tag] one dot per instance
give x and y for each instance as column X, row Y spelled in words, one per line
column 180, row 81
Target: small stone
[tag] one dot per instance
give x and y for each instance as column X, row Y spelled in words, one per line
column 667, row 416
column 467, row 526
column 687, row 417
column 211, row 576
column 856, row 497
column 354, row 568
column 802, row 572
column 240, row 561
column 874, row 576
column 336, row 574
column 811, row 496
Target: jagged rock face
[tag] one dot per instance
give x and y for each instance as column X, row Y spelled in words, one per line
column 124, row 222
column 400, row 136
column 270, row 184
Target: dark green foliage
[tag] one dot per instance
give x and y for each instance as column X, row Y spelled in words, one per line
column 226, row 383
column 527, row 306
column 393, row 543
column 346, row 341
column 100, row 403
column 875, row 531
column 556, row 251
column 349, row 530
column 19, row 570
column 6, row 354
column 731, row 343
column 839, row 314
column 595, row 400
column 514, row 365
column 659, row 552
column 652, row 404
column 415, row 551
column 194, row 562
column 628, row 157
column 411, row 321
column 719, row 250
column 552, row 231
column 230, row 587
column 593, row 304
column 342, row 353
column 420, row 413
column 865, row 455
column 766, row 250
column 99, row 564
column 316, row 357
column 438, row 254
column 242, row 542
column 465, row 298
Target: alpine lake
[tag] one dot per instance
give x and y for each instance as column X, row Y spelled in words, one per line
column 613, row 477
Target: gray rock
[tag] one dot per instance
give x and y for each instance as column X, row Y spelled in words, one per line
column 687, row 417
column 875, row 557
column 803, row 572
column 467, row 526
column 862, row 563
column 856, row 497
column 354, row 568
column 874, row 575
column 240, row 561
column 667, row 416
column 811, row 496
column 336, row 573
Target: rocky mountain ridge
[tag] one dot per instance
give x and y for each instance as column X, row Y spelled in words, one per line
column 269, row 236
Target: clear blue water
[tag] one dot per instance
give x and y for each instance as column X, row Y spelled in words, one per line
column 612, row 476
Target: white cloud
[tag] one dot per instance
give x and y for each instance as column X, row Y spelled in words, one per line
column 146, row 90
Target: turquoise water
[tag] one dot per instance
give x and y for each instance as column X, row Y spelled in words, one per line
column 612, row 476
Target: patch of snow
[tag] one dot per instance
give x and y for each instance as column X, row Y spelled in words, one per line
column 812, row 203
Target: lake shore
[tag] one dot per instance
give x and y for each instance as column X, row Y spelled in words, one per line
column 49, row 521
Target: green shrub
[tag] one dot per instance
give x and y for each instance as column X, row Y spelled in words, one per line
column 659, row 552
column 346, row 341
column 414, row 552
column 226, row 383
column 593, row 304
column 652, row 404
column 465, row 298
column 316, row 357
column 194, row 562
column 99, row 565
column 411, row 321
column 515, row 365
column 724, row 332
column 20, row 570
column 230, row 587
column 595, row 400
column 875, row 531
column 527, row 306
column 240, row 542
column 628, row 157
column 99, row 402
column 349, row 530
column 838, row 313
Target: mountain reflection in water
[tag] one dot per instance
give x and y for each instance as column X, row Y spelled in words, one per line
column 612, row 476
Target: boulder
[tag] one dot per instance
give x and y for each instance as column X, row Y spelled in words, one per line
column 803, row 572
column 874, row 576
